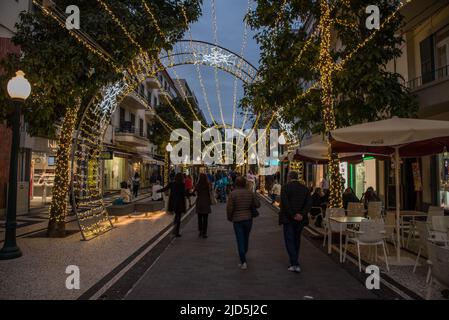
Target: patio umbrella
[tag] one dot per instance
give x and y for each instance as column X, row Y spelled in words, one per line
column 319, row 153
column 402, row 137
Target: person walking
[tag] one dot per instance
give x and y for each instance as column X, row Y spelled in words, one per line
column 240, row 207
column 188, row 182
column 251, row 181
column 136, row 184
column 203, row 204
column 296, row 203
column 276, row 192
column 176, row 201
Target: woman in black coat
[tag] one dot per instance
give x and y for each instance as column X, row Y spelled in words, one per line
column 176, row 200
column 203, row 203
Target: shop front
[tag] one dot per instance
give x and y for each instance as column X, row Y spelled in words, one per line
column 443, row 170
column 362, row 175
column 115, row 171
column 42, row 164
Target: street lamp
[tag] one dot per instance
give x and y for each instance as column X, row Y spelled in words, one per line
column 18, row 89
column 282, row 141
column 169, row 147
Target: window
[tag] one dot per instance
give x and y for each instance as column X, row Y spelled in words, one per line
column 427, row 60
column 148, row 130
column 122, row 116
column 133, row 121
column 141, row 127
column 442, row 52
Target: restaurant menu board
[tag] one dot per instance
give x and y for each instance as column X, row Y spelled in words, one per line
column 417, row 176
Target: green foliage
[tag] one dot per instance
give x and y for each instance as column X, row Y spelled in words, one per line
column 61, row 70
column 364, row 90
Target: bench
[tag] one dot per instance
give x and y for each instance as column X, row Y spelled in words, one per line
column 133, row 207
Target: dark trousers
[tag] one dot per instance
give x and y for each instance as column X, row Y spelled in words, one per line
column 177, row 222
column 292, row 237
column 135, row 190
column 202, row 223
column 242, row 230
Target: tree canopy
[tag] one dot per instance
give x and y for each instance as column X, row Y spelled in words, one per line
column 364, row 90
column 62, row 70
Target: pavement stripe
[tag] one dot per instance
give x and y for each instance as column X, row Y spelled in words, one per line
column 99, row 288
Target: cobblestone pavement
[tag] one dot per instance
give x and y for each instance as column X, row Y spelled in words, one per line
column 194, row 268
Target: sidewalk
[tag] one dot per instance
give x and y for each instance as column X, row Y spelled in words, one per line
column 401, row 278
column 194, row 268
column 37, row 219
column 40, row 272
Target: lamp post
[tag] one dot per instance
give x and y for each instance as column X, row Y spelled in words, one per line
column 18, row 89
column 168, row 149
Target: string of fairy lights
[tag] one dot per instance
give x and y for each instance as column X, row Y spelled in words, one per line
column 242, row 51
column 217, row 82
column 197, row 68
column 88, row 153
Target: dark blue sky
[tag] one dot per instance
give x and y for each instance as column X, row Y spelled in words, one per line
column 230, row 28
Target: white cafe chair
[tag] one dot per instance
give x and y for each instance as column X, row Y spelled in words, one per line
column 371, row 233
column 439, row 266
column 328, row 224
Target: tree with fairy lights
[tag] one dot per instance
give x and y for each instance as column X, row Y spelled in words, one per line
column 67, row 68
column 326, row 68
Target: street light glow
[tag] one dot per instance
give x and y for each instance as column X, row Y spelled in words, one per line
column 19, row 87
column 282, row 141
column 169, row 147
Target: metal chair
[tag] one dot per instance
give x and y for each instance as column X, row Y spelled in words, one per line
column 355, row 209
column 371, row 233
column 439, row 229
column 434, row 211
column 375, row 210
column 328, row 224
column 423, row 232
column 439, row 266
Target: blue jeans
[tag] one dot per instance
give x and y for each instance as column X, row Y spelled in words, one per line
column 292, row 237
column 242, row 230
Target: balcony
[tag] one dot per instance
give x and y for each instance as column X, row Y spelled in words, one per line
column 152, row 83
column 149, row 113
column 127, row 135
column 165, row 96
column 431, row 90
column 134, row 101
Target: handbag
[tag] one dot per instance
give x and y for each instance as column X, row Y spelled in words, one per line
column 254, row 212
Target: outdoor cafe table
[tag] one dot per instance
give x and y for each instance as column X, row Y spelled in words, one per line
column 342, row 222
column 408, row 214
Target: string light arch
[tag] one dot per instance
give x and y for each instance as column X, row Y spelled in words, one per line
column 86, row 167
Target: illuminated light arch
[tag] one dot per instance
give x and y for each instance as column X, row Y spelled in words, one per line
column 87, row 151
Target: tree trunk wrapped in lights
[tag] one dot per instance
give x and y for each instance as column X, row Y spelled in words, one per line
column 58, row 207
column 326, row 69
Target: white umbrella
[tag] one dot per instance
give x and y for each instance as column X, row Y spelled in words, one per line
column 399, row 136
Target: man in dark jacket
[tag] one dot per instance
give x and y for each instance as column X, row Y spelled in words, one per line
column 296, row 203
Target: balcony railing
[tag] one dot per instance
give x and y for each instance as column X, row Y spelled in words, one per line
column 128, row 127
column 438, row 74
